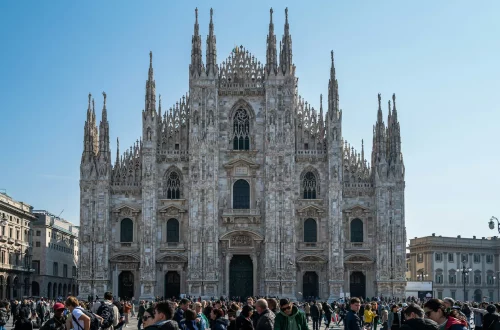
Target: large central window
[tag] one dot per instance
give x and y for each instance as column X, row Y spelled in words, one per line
column 173, row 188
column 241, row 130
column 357, row 231
column 309, row 186
column 310, row 231
column 241, row 195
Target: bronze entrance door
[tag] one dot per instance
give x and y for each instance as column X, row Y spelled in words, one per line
column 357, row 285
column 126, row 285
column 172, row 285
column 241, row 277
column 310, row 288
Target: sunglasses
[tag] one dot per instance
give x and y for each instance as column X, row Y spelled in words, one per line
column 286, row 308
column 146, row 317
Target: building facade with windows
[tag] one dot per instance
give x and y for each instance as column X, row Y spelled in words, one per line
column 437, row 259
column 242, row 188
column 55, row 256
column 15, row 248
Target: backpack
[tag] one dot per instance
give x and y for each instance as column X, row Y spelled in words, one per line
column 94, row 322
column 108, row 315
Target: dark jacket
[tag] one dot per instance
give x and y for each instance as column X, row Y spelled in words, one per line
column 179, row 315
column 55, row 324
column 266, row 320
column 242, row 323
column 23, row 324
column 282, row 320
column 352, row 321
column 221, row 324
column 489, row 320
column 420, row 324
column 314, row 311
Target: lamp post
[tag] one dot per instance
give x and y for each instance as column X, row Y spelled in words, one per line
column 465, row 271
column 422, row 276
column 498, row 284
column 491, row 224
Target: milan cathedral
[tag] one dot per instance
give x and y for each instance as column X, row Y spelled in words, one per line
column 242, row 188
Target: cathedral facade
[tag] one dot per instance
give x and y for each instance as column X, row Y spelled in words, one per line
column 242, row 188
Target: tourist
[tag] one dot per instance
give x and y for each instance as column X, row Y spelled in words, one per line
column 244, row 320
column 148, row 317
column 436, row 310
column 290, row 317
column 179, row 314
column 163, row 314
column 266, row 317
column 394, row 320
column 352, row 320
column 201, row 316
column 414, row 316
column 220, row 322
column 315, row 315
column 190, row 321
column 58, row 321
column 78, row 317
column 23, row 321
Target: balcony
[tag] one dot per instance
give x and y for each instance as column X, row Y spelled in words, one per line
column 241, row 216
column 172, row 246
column 3, row 238
column 310, row 246
column 126, row 246
column 10, row 240
column 357, row 246
column 18, row 242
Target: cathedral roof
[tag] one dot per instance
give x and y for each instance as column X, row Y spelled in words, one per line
column 241, row 68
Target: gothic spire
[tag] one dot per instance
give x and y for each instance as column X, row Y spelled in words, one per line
column 196, row 61
column 150, row 88
column 88, row 134
column 271, row 59
column 104, row 130
column 286, row 62
column 211, row 48
column 379, row 111
column 159, row 106
column 333, row 90
column 379, row 137
column 321, row 122
column 394, row 111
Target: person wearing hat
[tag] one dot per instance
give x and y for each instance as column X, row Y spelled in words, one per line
column 58, row 321
column 290, row 317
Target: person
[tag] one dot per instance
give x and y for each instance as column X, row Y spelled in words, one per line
column 341, row 314
column 23, row 321
column 58, row 321
column 140, row 314
column 179, row 314
column 148, row 317
column 369, row 316
column 273, row 305
column 163, row 314
column 108, row 312
column 328, row 314
column 266, row 316
column 244, row 321
column 126, row 312
column 314, row 311
column 394, row 320
column 290, row 317
column 200, row 315
column 307, row 310
column 352, row 320
column 436, row 310
column 384, row 318
column 414, row 316
column 220, row 322
column 491, row 318
column 4, row 315
column 190, row 321
column 79, row 319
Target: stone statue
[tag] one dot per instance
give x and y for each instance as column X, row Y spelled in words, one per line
column 257, row 203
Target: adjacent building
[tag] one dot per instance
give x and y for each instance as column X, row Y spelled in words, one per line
column 15, row 249
column 242, row 188
column 442, row 260
column 55, row 256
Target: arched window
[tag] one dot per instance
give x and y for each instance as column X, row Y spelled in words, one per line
column 173, row 187
column 357, row 231
column 309, row 186
column 241, row 195
column 172, row 231
column 241, row 130
column 126, row 231
column 310, row 231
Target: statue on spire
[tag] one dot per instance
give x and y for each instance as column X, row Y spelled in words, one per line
column 104, row 95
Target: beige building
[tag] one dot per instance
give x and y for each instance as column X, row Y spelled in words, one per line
column 15, row 250
column 55, row 256
column 437, row 259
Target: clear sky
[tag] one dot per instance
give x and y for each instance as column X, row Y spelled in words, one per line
column 441, row 58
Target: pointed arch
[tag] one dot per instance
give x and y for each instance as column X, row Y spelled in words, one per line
column 172, row 183
column 241, row 116
column 310, row 183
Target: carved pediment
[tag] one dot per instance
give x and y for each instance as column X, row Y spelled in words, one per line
column 358, row 258
column 311, row 258
column 125, row 209
column 171, row 210
column 172, row 258
column 357, row 211
column 311, row 210
column 125, row 258
column 241, row 162
column 237, row 236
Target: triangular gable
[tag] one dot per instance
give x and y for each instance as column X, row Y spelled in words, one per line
column 358, row 208
column 240, row 162
column 170, row 208
column 123, row 207
column 311, row 209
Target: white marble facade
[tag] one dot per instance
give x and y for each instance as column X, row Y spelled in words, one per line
column 242, row 181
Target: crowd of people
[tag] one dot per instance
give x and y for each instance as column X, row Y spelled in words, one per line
column 251, row 314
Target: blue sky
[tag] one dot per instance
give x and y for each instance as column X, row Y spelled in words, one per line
column 441, row 58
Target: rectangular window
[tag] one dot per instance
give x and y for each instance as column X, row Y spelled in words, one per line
column 37, row 244
column 465, row 257
column 490, row 280
column 35, row 264
column 38, row 233
column 439, row 278
column 452, row 279
column 10, row 233
column 55, row 269
column 440, row 294
column 420, row 257
column 65, row 270
column 3, row 257
column 439, row 257
column 489, row 258
column 453, row 295
column 477, row 279
column 306, row 146
column 17, row 234
column 477, row 258
column 73, row 272
column 177, row 146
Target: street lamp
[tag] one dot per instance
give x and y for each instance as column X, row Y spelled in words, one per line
column 422, row 276
column 491, row 224
column 498, row 283
column 465, row 271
